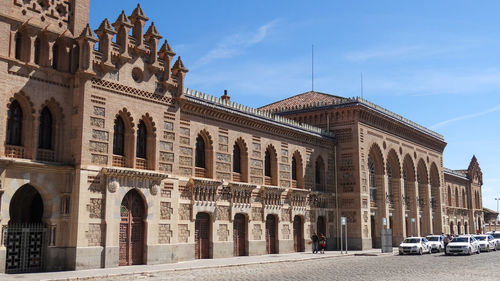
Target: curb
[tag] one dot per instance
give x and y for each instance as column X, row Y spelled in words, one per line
column 146, row 273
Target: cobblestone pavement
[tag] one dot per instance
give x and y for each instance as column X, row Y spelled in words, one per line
column 428, row 267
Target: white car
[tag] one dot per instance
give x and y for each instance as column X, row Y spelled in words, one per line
column 414, row 245
column 462, row 245
column 496, row 237
column 436, row 242
column 486, row 242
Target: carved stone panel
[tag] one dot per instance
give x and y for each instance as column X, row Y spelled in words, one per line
column 286, row 231
column 183, row 233
column 223, row 232
column 165, row 210
column 164, row 234
column 257, row 232
column 96, row 208
column 95, row 234
column 184, row 212
column 285, row 214
column 257, row 214
column 222, row 213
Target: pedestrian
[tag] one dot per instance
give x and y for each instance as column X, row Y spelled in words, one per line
column 322, row 243
column 315, row 241
column 446, row 241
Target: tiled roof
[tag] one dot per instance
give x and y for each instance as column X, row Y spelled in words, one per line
column 310, row 97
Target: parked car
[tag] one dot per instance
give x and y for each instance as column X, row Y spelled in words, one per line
column 436, row 242
column 496, row 237
column 466, row 244
column 414, row 245
column 486, row 242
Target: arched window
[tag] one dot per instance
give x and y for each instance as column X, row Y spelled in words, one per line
column 389, row 180
column 37, row 50
column 14, row 124
column 464, row 205
column 118, row 136
column 456, row 198
column 55, row 55
column 373, row 188
column 236, row 159
column 320, row 174
column 294, row 168
column 45, row 131
column 449, row 196
column 19, row 44
column 200, row 152
column 267, row 164
column 141, row 140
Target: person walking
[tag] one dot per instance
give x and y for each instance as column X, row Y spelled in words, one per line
column 322, row 243
column 446, row 240
column 315, row 241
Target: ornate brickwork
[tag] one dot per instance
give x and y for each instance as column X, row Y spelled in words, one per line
column 164, row 234
column 223, row 232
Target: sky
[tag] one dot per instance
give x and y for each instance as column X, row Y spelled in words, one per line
column 436, row 63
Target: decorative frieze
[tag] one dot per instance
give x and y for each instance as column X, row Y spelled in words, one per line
column 166, row 146
column 184, row 131
column 284, row 175
column 185, row 161
column 255, row 172
column 284, row 183
column 285, row 214
column 100, row 135
column 223, row 232
column 164, row 167
column 257, row 214
column 256, row 146
column 164, row 234
column 223, row 147
column 184, row 140
column 97, row 122
column 187, row 151
column 99, row 111
column 223, row 167
column 99, row 159
column 224, row 157
column 99, row 147
column 256, row 180
column 169, row 126
column 223, row 176
column 185, row 171
column 165, row 210
column 165, row 193
column 169, row 136
column 183, row 233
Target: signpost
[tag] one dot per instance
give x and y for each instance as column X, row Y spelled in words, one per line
column 343, row 222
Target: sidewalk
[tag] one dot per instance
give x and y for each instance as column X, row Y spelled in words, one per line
column 144, row 270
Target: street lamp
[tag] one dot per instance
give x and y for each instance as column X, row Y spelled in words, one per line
column 497, row 199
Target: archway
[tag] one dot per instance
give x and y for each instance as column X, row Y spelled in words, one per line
column 271, row 234
column 239, row 235
column 298, row 234
column 26, row 233
column 202, row 236
column 132, row 229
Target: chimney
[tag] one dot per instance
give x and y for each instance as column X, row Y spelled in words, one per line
column 225, row 97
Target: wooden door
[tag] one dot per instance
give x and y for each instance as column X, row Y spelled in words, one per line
column 271, row 234
column 239, row 234
column 202, row 236
column 298, row 234
column 131, row 237
column 321, row 226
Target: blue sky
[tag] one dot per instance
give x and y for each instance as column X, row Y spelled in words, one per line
column 434, row 62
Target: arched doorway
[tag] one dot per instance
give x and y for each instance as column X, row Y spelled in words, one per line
column 26, row 233
column 132, row 229
column 298, row 234
column 239, row 235
column 202, row 236
column 452, row 231
column 271, row 234
column 321, row 225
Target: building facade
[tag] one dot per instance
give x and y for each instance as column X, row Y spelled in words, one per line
column 108, row 160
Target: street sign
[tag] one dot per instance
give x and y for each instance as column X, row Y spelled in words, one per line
column 343, row 220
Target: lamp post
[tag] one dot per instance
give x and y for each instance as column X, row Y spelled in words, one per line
column 497, row 199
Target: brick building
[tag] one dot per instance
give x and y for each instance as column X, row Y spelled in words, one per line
column 108, row 160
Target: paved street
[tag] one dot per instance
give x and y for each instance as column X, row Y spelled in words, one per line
column 427, row 267
column 300, row 266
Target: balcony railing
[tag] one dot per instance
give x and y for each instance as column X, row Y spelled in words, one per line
column 119, row 161
column 141, row 163
column 14, row 151
column 237, row 177
column 199, row 172
column 268, row 180
column 45, row 155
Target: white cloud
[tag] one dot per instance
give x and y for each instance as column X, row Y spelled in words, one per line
column 384, row 53
column 464, row 117
column 234, row 44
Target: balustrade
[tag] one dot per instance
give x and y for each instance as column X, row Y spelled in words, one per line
column 14, row 151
